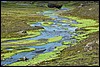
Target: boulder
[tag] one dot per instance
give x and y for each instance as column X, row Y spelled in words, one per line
column 38, row 27
column 40, row 50
column 23, row 31
column 89, row 46
column 78, row 29
column 52, row 5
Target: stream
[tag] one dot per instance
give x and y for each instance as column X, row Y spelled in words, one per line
column 58, row 28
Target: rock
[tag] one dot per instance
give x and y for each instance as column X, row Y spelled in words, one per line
column 40, row 50
column 23, row 59
column 90, row 9
column 97, row 41
column 78, row 29
column 52, row 5
column 23, row 31
column 78, row 51
column 88, row 46
column 81, row 5
column 38, row 27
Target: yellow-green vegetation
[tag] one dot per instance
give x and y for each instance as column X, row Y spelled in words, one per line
column 66, row 28
column 47, row 23
column 31, row 33
column 41, row 57
column 27, row 42
column 57, row 38
column 80, row 37
column 66, row 43
column 66, row 21
column 77, row 56
column 14, row 51
column 35, row 42
column 89, row 25
column 84, row 22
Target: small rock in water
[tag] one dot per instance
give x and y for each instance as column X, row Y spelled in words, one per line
column 23, row 59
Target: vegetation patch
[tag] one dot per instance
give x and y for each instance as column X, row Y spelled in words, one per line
column 57, row 38
column 89, row 26
column 66, row 43
column 66, row 21
column 41, row 57
column 31, row 33
column 35, row 42
column 47, row 23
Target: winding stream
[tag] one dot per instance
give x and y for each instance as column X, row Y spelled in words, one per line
column 56, row 29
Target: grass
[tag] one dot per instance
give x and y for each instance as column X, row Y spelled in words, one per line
column 66, row 43
column 57, row 38
column 66, row 21
column 47, row 23
column 35, row 42
column 15, row 17
column 31, row 33
column 41, row 57
column 70, row 5
column 84, row 12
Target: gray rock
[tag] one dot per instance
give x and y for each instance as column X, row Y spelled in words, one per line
column 38, row 27
column 78, row 29
column 23, row 59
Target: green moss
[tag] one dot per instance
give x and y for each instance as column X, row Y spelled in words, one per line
column 41, row 57
column 35, row 42
column 83, row 22
column 29, row 34
column 47, row 23
column 80, row 37
column 66, row 43
column 57, row 38
column 66, row 21
column 66, row 28
column 89, row 25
